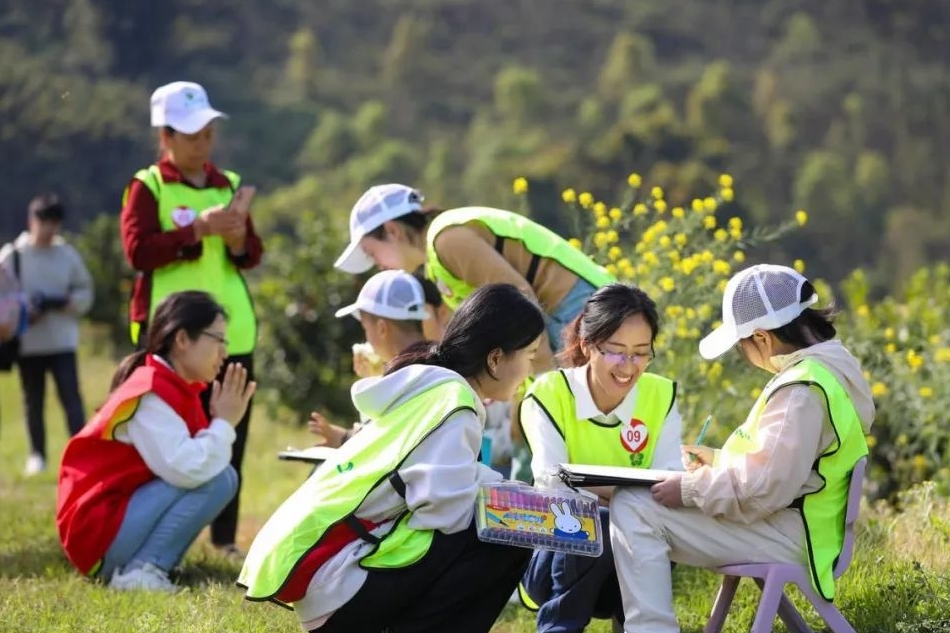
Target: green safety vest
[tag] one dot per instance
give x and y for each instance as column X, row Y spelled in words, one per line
column 540, row 241
column 823, row 510
column 213, row 272
column 618, row 444
column 335, row 491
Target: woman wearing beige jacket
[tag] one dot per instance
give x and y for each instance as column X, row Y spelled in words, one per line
column 777, row 490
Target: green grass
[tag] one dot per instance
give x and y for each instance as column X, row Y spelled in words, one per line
column 898, row 583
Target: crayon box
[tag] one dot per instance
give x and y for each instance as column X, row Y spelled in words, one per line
column 512, row 513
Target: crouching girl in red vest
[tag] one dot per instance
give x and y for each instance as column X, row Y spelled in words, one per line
column 149, row 471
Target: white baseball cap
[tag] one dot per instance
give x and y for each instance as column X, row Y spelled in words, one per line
column 182, row 106
column 391, row 294
column 378, row 205
column 761, row 297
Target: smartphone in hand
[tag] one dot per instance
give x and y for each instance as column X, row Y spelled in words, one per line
column 241, row 200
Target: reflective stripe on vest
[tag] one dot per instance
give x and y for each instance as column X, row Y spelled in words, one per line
column 213, row 272
column 537, row 239
column 823, row 511
column 590, row 442
column 335, row 491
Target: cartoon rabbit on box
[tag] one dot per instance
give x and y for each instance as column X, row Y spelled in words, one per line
column 566, row 525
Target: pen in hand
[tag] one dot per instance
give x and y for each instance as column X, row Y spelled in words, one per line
column 701, row 437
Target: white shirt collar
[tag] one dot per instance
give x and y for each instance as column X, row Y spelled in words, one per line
column 584, row 401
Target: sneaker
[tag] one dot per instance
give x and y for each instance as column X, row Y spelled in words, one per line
column 35, row 464
column 148, row 577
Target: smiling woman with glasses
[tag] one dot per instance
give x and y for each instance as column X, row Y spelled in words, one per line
column 604, row 409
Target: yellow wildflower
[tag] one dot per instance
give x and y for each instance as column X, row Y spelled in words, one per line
column 667, row 284
column 697, row 205
column 615, row 214
column 665, row 241
column 926, row 392
column 725, row 181
column 799, row 265
column 624, row 263
column 735, row 234
column 680, row 239
column 920, row 462
column 801, row 217
column 714, row 372
column 650, row 258
column 720, row 235
column 871, row 441
column 721, row 286
column 878, row 390
column 709, row 222
column 610, row 268
column 640, row 209
column 690, row 313
column 705, row 257
column 586, row 199
column 602, row 222
column 674, row 311
column 600, row 239
column 600, row 208
column 721, row 267
column 942, row 355
column 888, row 331
column 657, row 193
column 704, row 311
column 520, row 186
column 727, row 194
column 735, row 223
column 612, row 237
column 738, row 256
column 678, row 212
column 709, row 204
column 614, row 253
column 634, row 180
column 688, row 265
column 569, row 196
column 890, row 348
column 660, row 206
column 863, row 311
column 914, row 360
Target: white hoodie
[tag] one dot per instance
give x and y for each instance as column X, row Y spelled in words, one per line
column 441, row 474
column 795, row 430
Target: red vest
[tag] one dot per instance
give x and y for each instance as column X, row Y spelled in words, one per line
column 98, row 473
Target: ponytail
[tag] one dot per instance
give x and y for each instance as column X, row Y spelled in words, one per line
column 573, row 354
column 421, row 353
column 128, row 365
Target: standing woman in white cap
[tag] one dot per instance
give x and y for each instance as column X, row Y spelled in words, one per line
column 777, row 490
column 186, row 226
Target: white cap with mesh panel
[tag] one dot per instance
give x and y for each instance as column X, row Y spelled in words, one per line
column 391, row 294
column 378, row 205
column 761, row 297
column 182, row 106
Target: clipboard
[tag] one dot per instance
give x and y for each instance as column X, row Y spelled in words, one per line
column 311, row 455
column 590, row 475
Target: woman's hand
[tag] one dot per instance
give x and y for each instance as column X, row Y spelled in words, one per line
column 669, row 492
column 333, row 435
column 697, row 456
column 230, row 396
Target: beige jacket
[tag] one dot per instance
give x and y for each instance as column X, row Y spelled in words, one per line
column 794, row 430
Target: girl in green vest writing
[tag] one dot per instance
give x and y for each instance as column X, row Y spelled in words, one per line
column 382, row 535
column 777, row 490
column 603, row 408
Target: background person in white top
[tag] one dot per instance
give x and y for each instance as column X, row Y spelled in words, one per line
column 391, row 307
column 58, row 289
column 735, row 508
column 582, row 414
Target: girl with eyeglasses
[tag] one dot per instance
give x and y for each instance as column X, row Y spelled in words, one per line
column 603, row 408
column 151, row 470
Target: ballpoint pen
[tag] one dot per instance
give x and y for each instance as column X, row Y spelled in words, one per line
column 701, row 437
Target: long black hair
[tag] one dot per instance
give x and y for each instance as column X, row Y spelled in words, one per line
column 192, row 311
column 604, row 312
column 811, row 326
column 496, row 316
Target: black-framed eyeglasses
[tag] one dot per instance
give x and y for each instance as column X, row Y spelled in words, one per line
column 640, row 359
column 221, row 338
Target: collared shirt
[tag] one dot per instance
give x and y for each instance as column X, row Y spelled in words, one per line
column 548, row 447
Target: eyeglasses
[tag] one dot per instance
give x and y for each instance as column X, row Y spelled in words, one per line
column 218, row 337
column 618, row 358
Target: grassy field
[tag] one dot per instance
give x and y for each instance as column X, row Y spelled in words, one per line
column 898, row 583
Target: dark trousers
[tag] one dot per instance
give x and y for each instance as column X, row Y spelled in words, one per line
column 461, row 585
column 570, row 590
column 33, row 382
column 224, row 527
